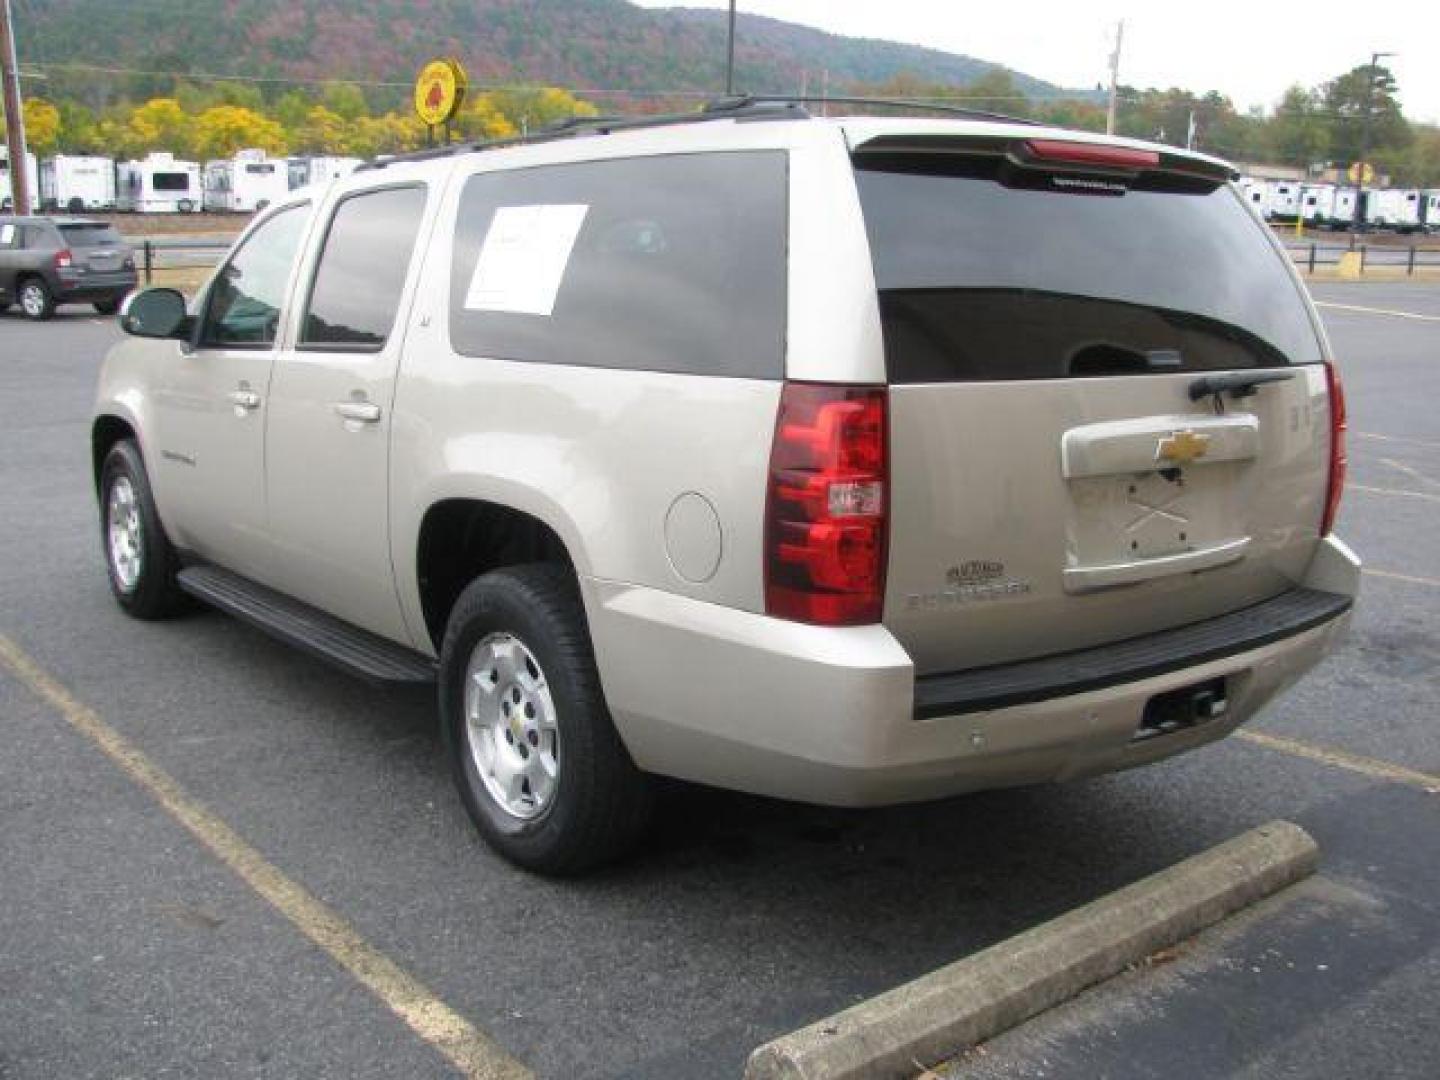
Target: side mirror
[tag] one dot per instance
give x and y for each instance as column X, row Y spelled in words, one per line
column 155, row 313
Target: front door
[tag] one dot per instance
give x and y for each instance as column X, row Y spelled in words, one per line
column 328, row 434
column 207, row 452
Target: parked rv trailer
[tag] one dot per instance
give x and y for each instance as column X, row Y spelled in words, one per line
column 76, row 184
column 159, row 184
column 1405, row 207
column 1430, row 210
column 1255, row 194
column 321, row 170
column 1317, row 204
column 7, row 193
column 247, row 182
column 1282, row 199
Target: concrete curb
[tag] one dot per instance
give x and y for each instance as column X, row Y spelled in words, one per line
column 940, row 1014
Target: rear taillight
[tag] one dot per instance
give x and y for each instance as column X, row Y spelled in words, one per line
column 63, row 259
column 825, row 517
column 1336, row 394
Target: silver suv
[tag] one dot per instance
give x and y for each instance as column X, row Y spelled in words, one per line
column 851, row 461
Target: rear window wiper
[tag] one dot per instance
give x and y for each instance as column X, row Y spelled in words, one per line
column 1240, row 384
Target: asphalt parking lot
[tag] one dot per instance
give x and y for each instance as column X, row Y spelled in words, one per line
column 128, row 948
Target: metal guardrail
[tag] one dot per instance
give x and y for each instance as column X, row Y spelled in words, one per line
column 1409, row 256
column 174, row 253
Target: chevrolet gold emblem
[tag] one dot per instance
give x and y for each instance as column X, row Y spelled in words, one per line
column 1183, row 447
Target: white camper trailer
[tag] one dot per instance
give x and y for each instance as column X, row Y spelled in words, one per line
column 1255, row 194
column 1430, row 210
column 77, row 184
column 1282, row 200
column 321, row 170
column 1404, row 208
column 7, row 193
column 247, row 182
column 1317, row 204
column 160, row 184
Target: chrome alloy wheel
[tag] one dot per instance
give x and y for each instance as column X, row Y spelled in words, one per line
column 510, row 726
column 32, row 300
column 124, row 532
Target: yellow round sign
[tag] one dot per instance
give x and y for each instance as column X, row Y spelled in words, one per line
column 1362, row 172
column 439, row 91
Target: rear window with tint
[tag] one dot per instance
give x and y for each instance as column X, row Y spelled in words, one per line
column 84, row 236
column 672, row 263
column 989, row 272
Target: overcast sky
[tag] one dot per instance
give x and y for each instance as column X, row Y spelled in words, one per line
column 1249, row 51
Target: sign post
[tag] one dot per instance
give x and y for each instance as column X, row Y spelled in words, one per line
column 439, row 93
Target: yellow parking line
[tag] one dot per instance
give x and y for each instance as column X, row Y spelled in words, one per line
column 1394, row 491
column 1378, row 311
column 467, row 1048
column 1343, row 759
column 1413, row 579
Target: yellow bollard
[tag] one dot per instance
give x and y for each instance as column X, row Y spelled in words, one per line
column 1349, row 266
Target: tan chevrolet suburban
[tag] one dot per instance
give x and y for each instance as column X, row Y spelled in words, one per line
column 852, row 461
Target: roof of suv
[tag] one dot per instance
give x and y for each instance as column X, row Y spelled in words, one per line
column 858, row 130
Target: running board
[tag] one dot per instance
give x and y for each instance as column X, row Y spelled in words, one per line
column 347, row 647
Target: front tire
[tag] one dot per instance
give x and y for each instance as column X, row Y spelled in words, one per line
column 539, row 765
column 139, row 560
column 36, row 300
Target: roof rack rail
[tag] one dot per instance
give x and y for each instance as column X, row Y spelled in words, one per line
column 738, row 108
column 894, row 103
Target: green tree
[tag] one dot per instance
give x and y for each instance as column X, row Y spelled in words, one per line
column 1346, row 99
column 1299, row 134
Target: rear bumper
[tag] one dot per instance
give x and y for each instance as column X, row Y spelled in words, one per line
column 69, row 290
column 833, row 716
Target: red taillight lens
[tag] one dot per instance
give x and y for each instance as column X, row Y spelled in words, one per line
column 1081, row 153
column 63, row 259
column 1338, row 460
column 826, row 509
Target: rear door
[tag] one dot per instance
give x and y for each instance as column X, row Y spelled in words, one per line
column 96, row 250
column 1056, row 484
column 328, row 436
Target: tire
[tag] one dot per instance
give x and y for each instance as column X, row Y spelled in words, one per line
column 185, row 206
column 76, row 205
column 107, row 307
column 578, row 799
column 36, row 300
column 139, row 560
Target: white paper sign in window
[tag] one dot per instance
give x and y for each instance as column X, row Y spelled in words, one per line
column 522, row 261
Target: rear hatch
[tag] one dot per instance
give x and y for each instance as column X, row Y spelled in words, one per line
column 1060, row 477
column 96, row 246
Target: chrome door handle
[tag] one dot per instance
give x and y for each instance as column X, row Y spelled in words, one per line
column 244, row 399
column 362, row 412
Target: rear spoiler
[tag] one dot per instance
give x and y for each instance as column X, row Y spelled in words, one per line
column 1059, row 151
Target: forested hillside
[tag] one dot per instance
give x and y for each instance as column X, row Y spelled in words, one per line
column 590, row 46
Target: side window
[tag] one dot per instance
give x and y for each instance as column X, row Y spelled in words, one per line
column 673, row 263
column 244, row 303
column 356, row 292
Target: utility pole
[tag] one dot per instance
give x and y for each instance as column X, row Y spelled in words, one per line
column 14, row 115
column 1114, row 77
column 1357, row 221
column 729, row 54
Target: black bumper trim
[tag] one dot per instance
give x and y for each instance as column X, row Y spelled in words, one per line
column 1004, row 685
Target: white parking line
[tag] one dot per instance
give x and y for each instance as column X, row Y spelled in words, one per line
column 1378, row 311
column 1410, row 471
column 467, row 1047
column 1393, row 491
column 1395, row 439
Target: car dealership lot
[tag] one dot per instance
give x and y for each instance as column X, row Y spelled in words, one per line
column 127, row 948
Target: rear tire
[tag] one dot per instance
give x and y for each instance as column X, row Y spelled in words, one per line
column 107, row 307
column 139, row 560
column 539, row 765
column 36, row 300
